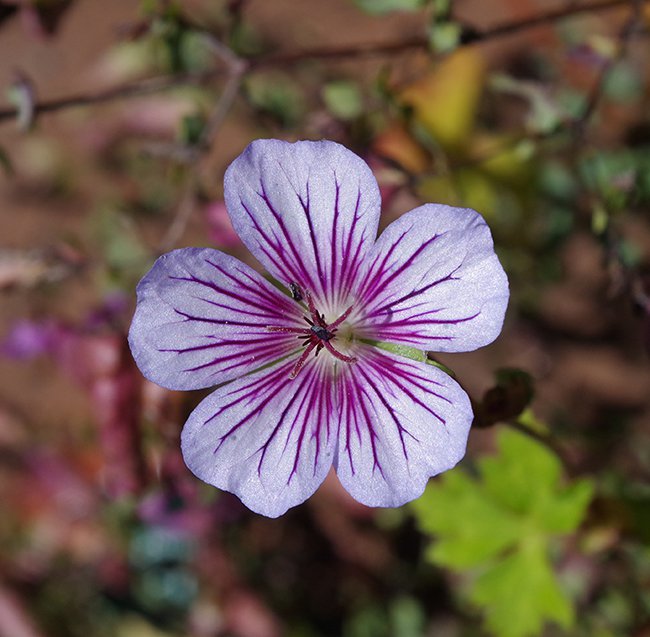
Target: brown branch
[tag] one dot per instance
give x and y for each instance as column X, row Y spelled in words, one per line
column 549, row 18
column 134, row 89
column 470, row 36
column 167, row 82
column 236, row 69
column 596, row 93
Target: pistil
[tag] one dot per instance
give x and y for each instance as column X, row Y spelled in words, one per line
column 318, row 335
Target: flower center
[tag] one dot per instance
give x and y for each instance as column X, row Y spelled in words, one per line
column 318, row 335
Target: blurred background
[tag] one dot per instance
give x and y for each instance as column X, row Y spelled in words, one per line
column 117, row 122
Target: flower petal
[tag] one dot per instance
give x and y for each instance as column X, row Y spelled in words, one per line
column 308, row 211
column 402, row 421
column 435, row 282
column 201, row 320
column 267, row 438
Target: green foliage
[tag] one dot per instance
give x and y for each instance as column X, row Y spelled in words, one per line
column 520, row 592
column 623, row 83
column 378, row 7
column 403, row 618
column 191, row 129
column 21, row 95
column 276, row 95
column 444, row 35
column 343, row 99
column 161, row 580
column 124, row 256
column 545, row 114
column 500, row 525
column 5, row 163
column 618, row 178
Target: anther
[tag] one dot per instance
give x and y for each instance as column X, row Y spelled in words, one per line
column 319, row 335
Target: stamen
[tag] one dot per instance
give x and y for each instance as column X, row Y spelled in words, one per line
column 317, row 318
column 289, row 330
column 340, row 319
column 301, row 361
column 317, row 336
column 342, row 357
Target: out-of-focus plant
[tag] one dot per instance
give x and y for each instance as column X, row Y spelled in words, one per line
column 499, row 529
column 105, row 532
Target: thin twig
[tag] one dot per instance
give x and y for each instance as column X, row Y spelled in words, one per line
column 470, row 37
column 549, row 18
column 236, row 70
column 134, row 89
column 625, row 35
column 230, row 92
column 184, row 211
column 547, row 441
column 289, row 58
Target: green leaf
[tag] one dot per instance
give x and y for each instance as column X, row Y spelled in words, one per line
column 276, row 94
column 500, row 524
column 379, row 7
column 476, row 530
column 564, row 512
column 124, row 255
column 407, row 618
column 444, row 36
column 523, row 473
column 343, row 99
column 520, row 592
column 191, row 129
column 623, row 83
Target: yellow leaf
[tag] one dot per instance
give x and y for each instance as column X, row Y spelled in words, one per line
column 466, row 187
column 446, row 99
column 396, row 144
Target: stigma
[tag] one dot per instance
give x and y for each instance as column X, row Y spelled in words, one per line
column 319, row 335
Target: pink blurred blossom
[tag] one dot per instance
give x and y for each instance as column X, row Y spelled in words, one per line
column 220, row 229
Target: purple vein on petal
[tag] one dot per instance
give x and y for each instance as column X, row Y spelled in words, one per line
column 277, row 380
column 285, row 268
column 351, row 264
column 316, row 392
column 312, row 235
column 398, row 375
column 384, row 276
column 401, row 429
column 362, row 396
column 220, row 343
column 417, row 292
column 334, row 283
column 263, row 351
column 203, row 319
column 246, row 301
column 299, row 272
column 264, row 315
column 274, row 300
column 306, row 378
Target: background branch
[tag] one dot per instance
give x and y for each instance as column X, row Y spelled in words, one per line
column 167, row 82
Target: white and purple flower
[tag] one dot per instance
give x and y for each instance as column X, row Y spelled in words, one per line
column 302, row 384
